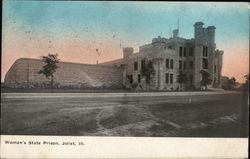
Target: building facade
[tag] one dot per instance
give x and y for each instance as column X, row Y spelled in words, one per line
column 174, row 56
column 169, row 57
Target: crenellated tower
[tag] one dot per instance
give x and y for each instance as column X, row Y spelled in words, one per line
column 198, row 48
column 204, row 49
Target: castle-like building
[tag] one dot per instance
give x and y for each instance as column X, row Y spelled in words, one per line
column 169, row 57
column 172, row 57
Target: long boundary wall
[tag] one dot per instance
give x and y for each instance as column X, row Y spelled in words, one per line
column 24, row 73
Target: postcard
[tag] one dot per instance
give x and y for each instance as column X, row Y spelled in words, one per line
column 112, row 79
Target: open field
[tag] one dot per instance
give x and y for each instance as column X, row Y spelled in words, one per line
column 183, row 114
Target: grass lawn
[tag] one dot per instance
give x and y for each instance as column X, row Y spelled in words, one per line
column 189, row 116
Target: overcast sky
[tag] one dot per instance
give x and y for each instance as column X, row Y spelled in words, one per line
column 75, row 29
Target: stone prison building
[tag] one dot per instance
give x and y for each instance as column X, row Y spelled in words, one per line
column 168, row 56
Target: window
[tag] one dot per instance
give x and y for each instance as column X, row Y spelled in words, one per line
column 184, row 64
column 203, row 50
column 180, row 64
column 167, row 63
column 135, row 66
column 139, row 78
column 214, row 68
column 191, row 65
column 191, row 78
column 205, row 63
column 171, row 78
column 143, row 65
column 180, row 51
column 206, row 50
column 190, row 51
column 166, row 77
column 171, row 63
column 185, row 52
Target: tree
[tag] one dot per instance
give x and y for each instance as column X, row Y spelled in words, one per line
column 148, row 71
column 231, row 83
column 246, row 84
column 50, row 67
column 182, row 78
column 206, row 78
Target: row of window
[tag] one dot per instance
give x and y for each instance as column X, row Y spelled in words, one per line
column 183, row 65
column 205, row 65
column 183, row 51
column 169, row 78
column 169, row 64
column 142, row 65
column 130, row 78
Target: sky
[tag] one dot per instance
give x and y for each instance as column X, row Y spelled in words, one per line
column 87, row 32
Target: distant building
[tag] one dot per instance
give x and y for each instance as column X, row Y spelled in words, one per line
column 229, row 84
column 168, row 55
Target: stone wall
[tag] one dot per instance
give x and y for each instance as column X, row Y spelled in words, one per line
column 24, row 73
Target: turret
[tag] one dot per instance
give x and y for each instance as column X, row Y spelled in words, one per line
column 127, row 51
column 218, row 65
column 198, row 31
column 219, row 55
column 211, row 34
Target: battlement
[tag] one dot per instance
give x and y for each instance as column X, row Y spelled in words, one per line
column 159, row 40
column 198, row 24
column 204, row 35
column 219, row 52
column 211, row 27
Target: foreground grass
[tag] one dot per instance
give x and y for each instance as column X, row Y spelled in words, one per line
column 224, row 116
